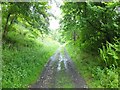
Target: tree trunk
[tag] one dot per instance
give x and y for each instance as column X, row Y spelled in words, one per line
column 12, row 20
column 6, row 26
column 85, row 10
column 74, row 36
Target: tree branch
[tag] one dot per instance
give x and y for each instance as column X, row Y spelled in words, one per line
column 95, row 27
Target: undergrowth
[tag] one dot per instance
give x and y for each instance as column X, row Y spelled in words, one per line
column 95, row 75
column 24, row 57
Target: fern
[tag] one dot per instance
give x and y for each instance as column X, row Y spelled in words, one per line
column 110, row 54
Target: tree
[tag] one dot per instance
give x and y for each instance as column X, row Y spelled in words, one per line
column 94, row 22
column 33, row 13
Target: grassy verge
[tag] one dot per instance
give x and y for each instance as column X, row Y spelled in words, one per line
column 24, row 57
column 88, row 65
column 63, row 80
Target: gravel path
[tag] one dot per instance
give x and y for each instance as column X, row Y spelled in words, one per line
column 60, row 72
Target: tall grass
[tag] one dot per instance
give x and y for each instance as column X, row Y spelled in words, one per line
column 24, row 58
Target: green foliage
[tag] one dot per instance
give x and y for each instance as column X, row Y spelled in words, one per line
column 89, row 67
column 110, row 55
column 24, row 57
column 32, row 13
column 109, row 77
column 91, row 23
column 24, row 51
column 91, row 28
column 19, row 65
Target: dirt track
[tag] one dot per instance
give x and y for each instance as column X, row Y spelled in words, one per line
column 60, row 72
